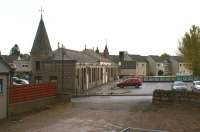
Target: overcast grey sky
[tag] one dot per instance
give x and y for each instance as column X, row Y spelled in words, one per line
column 137, row 26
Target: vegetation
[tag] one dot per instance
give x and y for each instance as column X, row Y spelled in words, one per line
column 189, row 48
column 15, row 50
column 160, row 73
column 165, row 56
column 97, row 50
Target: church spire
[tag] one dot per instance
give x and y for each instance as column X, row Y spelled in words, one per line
column 41, row 44
column 106, row 52
column 41, row 10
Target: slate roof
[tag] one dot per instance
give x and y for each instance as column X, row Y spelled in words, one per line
column 11, row 58
column 138, row 58
column 114, row 58
column 41, row 43
column 86, row 56
column 96, row 56
column 157, row 58
column 5, row 63
column 178, row 58
column 72, row 55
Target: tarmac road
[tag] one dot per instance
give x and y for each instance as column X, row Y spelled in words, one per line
column 146, row 89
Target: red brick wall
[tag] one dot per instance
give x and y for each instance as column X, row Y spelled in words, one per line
column 31, row 92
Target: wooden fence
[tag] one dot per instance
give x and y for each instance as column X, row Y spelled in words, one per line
column 31, row 92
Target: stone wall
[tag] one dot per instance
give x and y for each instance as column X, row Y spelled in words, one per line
column 172, row 96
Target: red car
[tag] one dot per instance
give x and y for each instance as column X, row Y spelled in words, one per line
column 130, row 82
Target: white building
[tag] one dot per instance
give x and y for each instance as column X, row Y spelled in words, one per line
column 179, row 66
column 141, row 65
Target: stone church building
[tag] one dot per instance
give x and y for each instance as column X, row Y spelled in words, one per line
column 74, row 71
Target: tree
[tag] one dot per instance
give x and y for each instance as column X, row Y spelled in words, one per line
column 189, row 48
column 165, row 56
column 160, row 73
column 97, row 50
column 15, row 50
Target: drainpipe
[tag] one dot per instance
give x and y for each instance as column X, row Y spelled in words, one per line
column 9, row 83
column 7, row 95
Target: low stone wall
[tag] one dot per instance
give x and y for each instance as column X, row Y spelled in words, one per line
column 37, row 104
column 172, row 96
column 22, row 107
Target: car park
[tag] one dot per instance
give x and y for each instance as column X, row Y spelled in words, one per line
column 179, row 85
column 195, row 86
column 130, row 82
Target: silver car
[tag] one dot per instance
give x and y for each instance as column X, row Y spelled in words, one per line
column 179, row 85
column 196, row 86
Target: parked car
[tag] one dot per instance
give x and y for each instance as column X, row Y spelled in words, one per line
column 179, row 85
column 130, row 82
column 18, row 81
column 196, row 86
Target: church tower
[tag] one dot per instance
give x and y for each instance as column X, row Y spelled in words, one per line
column 41, row 51
column 106, row 52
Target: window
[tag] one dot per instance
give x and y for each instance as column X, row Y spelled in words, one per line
column 25, row 65
column 38, row 79
column 1, row 86
column 101, row 73
column 84, row 75
column 37, row 65
column 53, row 79
column 97, row 73
column 90, row 77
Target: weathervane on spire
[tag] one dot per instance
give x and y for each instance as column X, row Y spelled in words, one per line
column 41, row 11
column 106, row 42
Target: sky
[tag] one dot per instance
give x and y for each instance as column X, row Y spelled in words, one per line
column 145, row 27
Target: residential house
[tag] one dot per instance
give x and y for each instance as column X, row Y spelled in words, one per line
column 179, row 66
column 4, row 84
column 141, row 65
column 156, row 65
column 21, row 64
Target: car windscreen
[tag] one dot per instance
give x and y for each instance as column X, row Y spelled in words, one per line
column 197, row 83
column 18, row 81
column 179, row 84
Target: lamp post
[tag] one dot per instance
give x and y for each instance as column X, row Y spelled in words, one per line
column 62, row 68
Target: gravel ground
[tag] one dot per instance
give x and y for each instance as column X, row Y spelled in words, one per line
column 108, row 114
